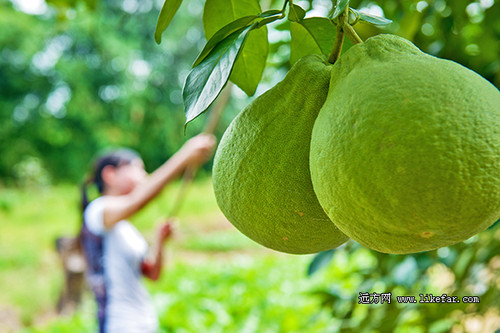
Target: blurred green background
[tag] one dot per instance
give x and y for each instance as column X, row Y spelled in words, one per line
column 77, row 76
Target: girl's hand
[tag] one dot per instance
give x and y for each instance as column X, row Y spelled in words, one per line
column 165, row 230
column 151, row 266
column 199, row 149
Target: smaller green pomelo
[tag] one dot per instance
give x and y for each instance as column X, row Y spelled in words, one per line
column 261, row 169
column 405, row 152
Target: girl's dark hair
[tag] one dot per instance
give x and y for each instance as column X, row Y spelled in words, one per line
column 116, row 158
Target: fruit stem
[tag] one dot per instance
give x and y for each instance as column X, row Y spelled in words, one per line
column 351, row 33
column 339, row 37
column 337, row 46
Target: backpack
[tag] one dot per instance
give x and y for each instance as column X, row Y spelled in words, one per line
column 92, row 246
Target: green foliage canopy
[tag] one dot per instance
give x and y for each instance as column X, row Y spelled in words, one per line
column 76, row 80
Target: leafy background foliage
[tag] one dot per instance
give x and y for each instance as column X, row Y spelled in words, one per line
column 81, row 79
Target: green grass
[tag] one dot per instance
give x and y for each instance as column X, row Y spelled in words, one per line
column 31, row 221
column 215, row 280
column 240, row 293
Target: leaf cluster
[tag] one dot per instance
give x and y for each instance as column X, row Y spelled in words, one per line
column 419, row 22
column 465, row 269
column 225, row 55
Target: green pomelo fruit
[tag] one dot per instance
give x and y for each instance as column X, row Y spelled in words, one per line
column 405, row 152
column 261, row 169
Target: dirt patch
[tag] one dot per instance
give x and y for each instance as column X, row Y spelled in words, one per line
column 9, row 319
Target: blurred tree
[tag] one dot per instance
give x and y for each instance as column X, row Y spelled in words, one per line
column 76, row 79
column 467, row 32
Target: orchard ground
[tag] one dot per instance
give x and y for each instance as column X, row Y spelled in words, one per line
column 215, row 277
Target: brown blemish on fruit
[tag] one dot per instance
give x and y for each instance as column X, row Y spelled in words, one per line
column 426, row 234
column 285, row 238
column 301, row 214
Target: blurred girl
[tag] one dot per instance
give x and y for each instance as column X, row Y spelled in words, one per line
column 117, row 254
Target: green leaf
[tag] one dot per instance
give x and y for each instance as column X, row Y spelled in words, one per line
column 205, row 81
column 302, row 43
column 497, row 223
column 322, row 31
column 250, row 64
column 283, row 26
column 223, row 33
column 249, row 67
column 340, row 7
column 218, row 13
column 268, row 20
column 167, row 13
column 463, row 262
column 373, row 19
column 315, row 35
column 271, row 12
column 296, row 13
column 319, row 261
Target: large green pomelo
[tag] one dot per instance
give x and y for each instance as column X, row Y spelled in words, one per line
column 405, row 153
column 261, row 170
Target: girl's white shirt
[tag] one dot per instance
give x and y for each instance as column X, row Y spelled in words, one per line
column 129, row 308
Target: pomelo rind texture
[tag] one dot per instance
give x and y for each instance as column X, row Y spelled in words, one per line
column 261, row 172
column 405, row 153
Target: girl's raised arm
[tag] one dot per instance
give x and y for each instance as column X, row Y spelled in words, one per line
column 194, row 152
